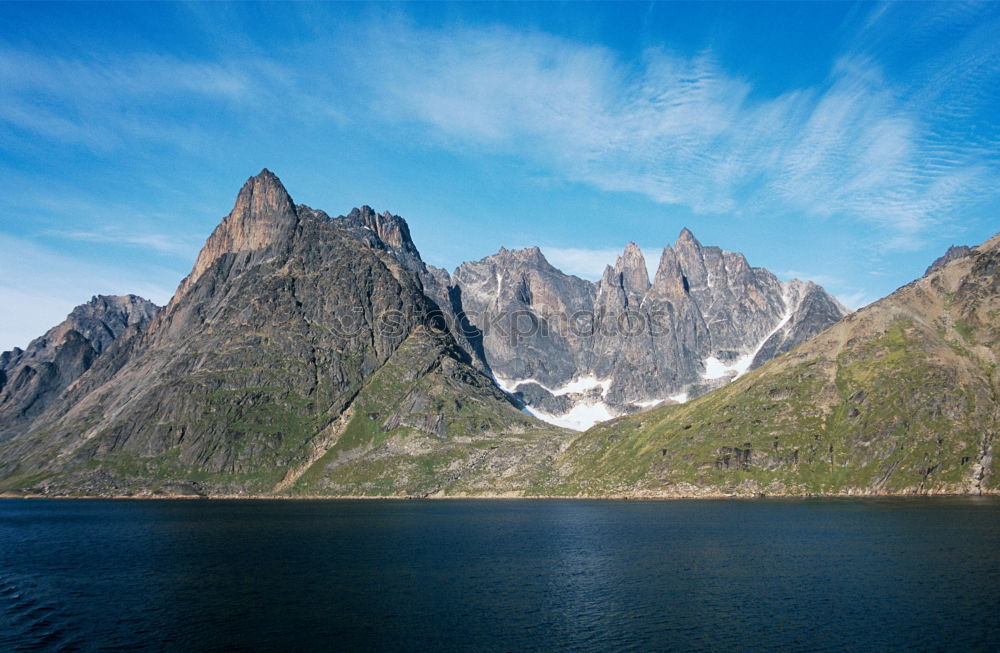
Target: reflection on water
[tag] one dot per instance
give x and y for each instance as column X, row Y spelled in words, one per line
column 500, row 575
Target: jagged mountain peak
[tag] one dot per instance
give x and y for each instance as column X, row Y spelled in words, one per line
column 263, row 197
column 703, row 321
column 954, row 252
column 530, row 255
column 99, row 320
column 687, row 239
column 369, row 215
column 262, row 357
column 669, row 280
column 129, row 305
column 262, row 216
column 390, row 229
column 631, row 265
column 33, row 378
column 693, row 259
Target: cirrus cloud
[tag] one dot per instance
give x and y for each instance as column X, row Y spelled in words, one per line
column 683, row 130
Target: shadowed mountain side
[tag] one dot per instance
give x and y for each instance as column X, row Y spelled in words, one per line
column 252, row 364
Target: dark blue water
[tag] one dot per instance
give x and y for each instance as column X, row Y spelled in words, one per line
column 500, row 575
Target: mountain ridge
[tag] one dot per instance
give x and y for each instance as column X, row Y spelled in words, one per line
column 310, row 355
column 630, row 340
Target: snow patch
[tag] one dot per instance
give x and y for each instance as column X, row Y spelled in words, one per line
column 583, row 384
column 679, row 398
column 580, row 384
column 507, row 385
column 582, row 415
column 716, row 369
column 579, row 418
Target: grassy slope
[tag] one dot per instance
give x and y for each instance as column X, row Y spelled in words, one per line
column 900, row 397
column 425, row 424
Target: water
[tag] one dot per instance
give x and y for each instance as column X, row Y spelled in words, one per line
column 918, row 574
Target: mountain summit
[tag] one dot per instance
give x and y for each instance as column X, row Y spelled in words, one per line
column 262, row 217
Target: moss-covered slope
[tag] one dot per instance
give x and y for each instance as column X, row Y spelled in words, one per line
column 900, row 397
column 426, row 423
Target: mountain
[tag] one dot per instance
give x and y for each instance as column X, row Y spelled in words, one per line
column 576, row 352
column 33, row 379
column 902, row 396
column 300, row 349
column 314, row 355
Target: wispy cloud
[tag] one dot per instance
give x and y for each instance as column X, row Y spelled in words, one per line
column 161, row 243
column 683, row 130
column 104, row 101
column 110, row 100
column 896, row 144
column 900, row 153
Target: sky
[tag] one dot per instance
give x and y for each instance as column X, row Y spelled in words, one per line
column 845, row 143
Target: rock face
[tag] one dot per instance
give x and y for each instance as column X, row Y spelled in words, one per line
column 577, row 352
column 954, row 252
column 522, row 306
column 261, row 220
column 390, row 231
column 900, row 397
column 275, row 351
column 33, row 378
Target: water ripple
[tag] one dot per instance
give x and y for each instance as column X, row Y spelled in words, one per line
column 498, row 576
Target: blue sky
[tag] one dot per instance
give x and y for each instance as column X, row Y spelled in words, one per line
column 846, row 143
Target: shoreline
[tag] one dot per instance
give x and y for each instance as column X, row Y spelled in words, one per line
column 493, row 497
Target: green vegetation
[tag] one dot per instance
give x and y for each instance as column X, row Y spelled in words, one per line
column 901, row 397
column 883, row 416
column 421, row 424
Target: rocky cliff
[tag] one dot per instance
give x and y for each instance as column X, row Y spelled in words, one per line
column 577, row 352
